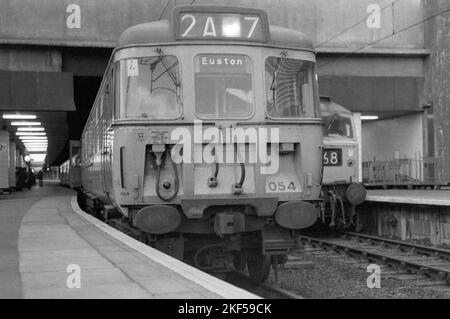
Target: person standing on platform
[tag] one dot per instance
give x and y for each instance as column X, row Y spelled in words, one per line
column 40, row 176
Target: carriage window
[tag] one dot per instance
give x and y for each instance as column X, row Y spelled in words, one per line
column 150, row 88
column 223, row 86
column 289, row 87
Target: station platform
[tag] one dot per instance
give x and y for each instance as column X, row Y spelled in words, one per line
column 46, row 241
column 418, row 197
column 419, row 215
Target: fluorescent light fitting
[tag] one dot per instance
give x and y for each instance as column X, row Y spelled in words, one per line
column 24, row 123
column 36, row 143
column 31, row 134
column 369, row 117
column 43, row 138
column 30, row 129
column 19, row 116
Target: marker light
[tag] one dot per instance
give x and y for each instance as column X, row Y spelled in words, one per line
column 30, row 129
column 231, row 27
column 369, row 117
column 19, row 116
column 27, row 158
column 24, row 123
column 31, row 134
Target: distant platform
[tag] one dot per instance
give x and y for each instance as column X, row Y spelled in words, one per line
column 418, row 197
column 55, row 241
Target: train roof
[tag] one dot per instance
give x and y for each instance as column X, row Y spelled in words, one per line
column 329, row 107
column 163, row 31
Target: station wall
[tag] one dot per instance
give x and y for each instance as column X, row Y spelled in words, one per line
column 395, row 138
column 88, row 23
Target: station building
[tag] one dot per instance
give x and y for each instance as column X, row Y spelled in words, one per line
column 388, row 60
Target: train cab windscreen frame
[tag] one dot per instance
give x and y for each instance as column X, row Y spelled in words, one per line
column 151, row 86
column 289, row 87
column 338, row 125
column 223, row 86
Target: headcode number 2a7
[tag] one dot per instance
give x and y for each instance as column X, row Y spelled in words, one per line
column 210, row 29
column 282, row 187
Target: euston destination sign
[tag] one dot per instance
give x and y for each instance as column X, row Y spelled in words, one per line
column 232, row 24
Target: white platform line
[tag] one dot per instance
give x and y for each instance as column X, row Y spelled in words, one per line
column 203, row 279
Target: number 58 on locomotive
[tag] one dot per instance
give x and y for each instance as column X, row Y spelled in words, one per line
column 205, row 137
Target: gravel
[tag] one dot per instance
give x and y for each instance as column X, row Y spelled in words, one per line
column 329, row 275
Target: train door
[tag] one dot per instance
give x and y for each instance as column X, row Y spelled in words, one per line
column 74, row 173
column 106, row 116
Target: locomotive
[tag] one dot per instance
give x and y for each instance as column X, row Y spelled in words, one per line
column 205, row 138
column 341, row 188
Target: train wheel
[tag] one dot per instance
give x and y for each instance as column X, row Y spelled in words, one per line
column 258, row 267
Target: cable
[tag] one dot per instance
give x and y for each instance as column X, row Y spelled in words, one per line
column 354, row 25
column 241, row 181
column 387, row 37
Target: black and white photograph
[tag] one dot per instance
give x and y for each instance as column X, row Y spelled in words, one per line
column 222, row 158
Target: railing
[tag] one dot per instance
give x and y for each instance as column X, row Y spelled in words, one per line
column 403, row 171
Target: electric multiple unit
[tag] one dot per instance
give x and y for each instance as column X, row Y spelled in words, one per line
column 206, row 137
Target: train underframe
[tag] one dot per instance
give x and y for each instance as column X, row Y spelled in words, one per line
column 225, row 239
column 339, row 202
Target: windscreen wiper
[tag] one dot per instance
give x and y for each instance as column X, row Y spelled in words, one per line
column 283, row 55
column 335, row 115
column 168, row 69
column 273, row 85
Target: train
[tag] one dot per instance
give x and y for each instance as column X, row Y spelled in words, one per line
column 342, row 190
column 70, row 171
column 205, row 138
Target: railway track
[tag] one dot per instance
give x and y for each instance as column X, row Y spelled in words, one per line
column 264, row 290
column 237, row 278
column 415, row 259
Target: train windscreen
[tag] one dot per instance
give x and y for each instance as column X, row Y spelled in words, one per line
column 289, row 88
column 223, row 86
column 150, row 88
column 337, row 125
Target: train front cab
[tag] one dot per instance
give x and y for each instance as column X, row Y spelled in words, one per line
column 341, row 188
column 214, row 213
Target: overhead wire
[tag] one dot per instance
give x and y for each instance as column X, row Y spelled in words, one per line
column 395, row 32
column 354, row 25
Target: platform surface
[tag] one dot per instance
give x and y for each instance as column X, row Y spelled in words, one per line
column 419, row 197
column 46, row 239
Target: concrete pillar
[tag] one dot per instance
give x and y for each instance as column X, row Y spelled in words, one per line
column 437, row 81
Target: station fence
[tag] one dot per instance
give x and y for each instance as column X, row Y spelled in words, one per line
column 424, row 170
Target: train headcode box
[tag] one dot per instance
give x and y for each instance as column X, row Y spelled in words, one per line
column 221, row 23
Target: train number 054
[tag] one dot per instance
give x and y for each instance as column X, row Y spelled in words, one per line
column 282, row 186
